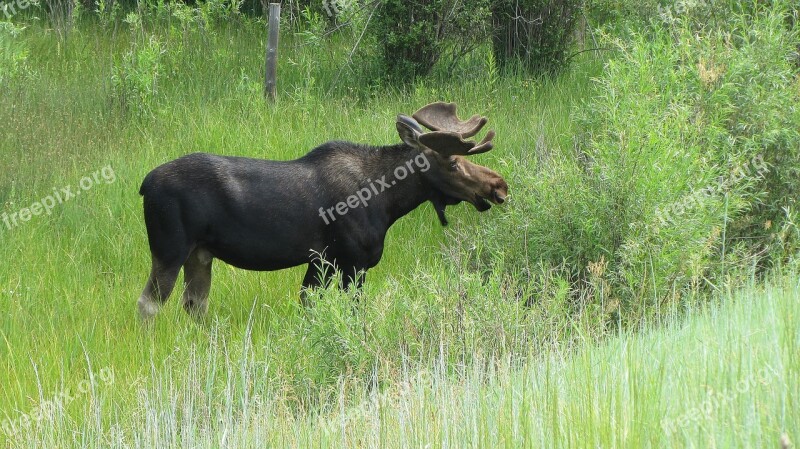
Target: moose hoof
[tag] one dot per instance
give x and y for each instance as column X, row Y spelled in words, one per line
column 195, row 309
column 147, row 308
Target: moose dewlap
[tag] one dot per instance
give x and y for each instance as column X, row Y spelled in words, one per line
column 338, row 201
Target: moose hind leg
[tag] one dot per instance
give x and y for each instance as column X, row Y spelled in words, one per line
column 158, row 288
column 197, row 282
column 169, row 247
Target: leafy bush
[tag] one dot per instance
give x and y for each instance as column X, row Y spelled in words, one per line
column 413, row 36
column 684, row 178
column 536, row 33
column 448, row 317
column 135, row 82
column 13, row 53
column 296, row 12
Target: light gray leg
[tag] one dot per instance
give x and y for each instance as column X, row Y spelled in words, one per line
column 158, row 288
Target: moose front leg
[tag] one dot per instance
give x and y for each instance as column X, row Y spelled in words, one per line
column 317, row 275
column 353, row 277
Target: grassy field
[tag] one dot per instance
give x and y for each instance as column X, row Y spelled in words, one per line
column 74, row 274
column 436, row 356
column 727, row 377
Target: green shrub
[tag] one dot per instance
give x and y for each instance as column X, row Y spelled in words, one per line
column 448, row 317
column 296, row 12
column 414, row 36
column 536, row 33
column 680, row 181
column 135, row 81
column 13, row 53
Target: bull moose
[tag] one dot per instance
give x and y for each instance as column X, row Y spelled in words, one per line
column 339, row 200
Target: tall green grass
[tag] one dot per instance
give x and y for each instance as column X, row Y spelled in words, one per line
column 726, row 377
column 72, row 277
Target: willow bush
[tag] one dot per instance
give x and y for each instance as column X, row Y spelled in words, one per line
column 682, row 179
column 538, row 34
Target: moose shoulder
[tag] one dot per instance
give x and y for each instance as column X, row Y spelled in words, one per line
column 338, row 201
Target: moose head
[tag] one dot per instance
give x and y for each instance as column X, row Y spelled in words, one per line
column 455, row 178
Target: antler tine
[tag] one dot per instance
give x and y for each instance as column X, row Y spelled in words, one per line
column 485, row 145
column 449, row 143
column 442, row 116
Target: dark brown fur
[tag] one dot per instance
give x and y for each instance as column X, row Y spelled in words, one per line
column 267, row 215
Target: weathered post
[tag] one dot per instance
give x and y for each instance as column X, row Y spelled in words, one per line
column 270, row 80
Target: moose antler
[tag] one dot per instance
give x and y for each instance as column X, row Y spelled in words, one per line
column 442, row 116
column 448, row 131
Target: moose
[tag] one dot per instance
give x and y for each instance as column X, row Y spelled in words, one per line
column 337, row 201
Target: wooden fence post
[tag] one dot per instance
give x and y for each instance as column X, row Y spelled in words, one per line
column 271, row 66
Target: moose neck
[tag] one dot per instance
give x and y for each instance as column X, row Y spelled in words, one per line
column 399, row 196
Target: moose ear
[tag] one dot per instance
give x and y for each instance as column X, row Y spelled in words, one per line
column 409, row 131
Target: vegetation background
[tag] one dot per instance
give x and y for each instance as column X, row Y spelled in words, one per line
column 639, row 289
